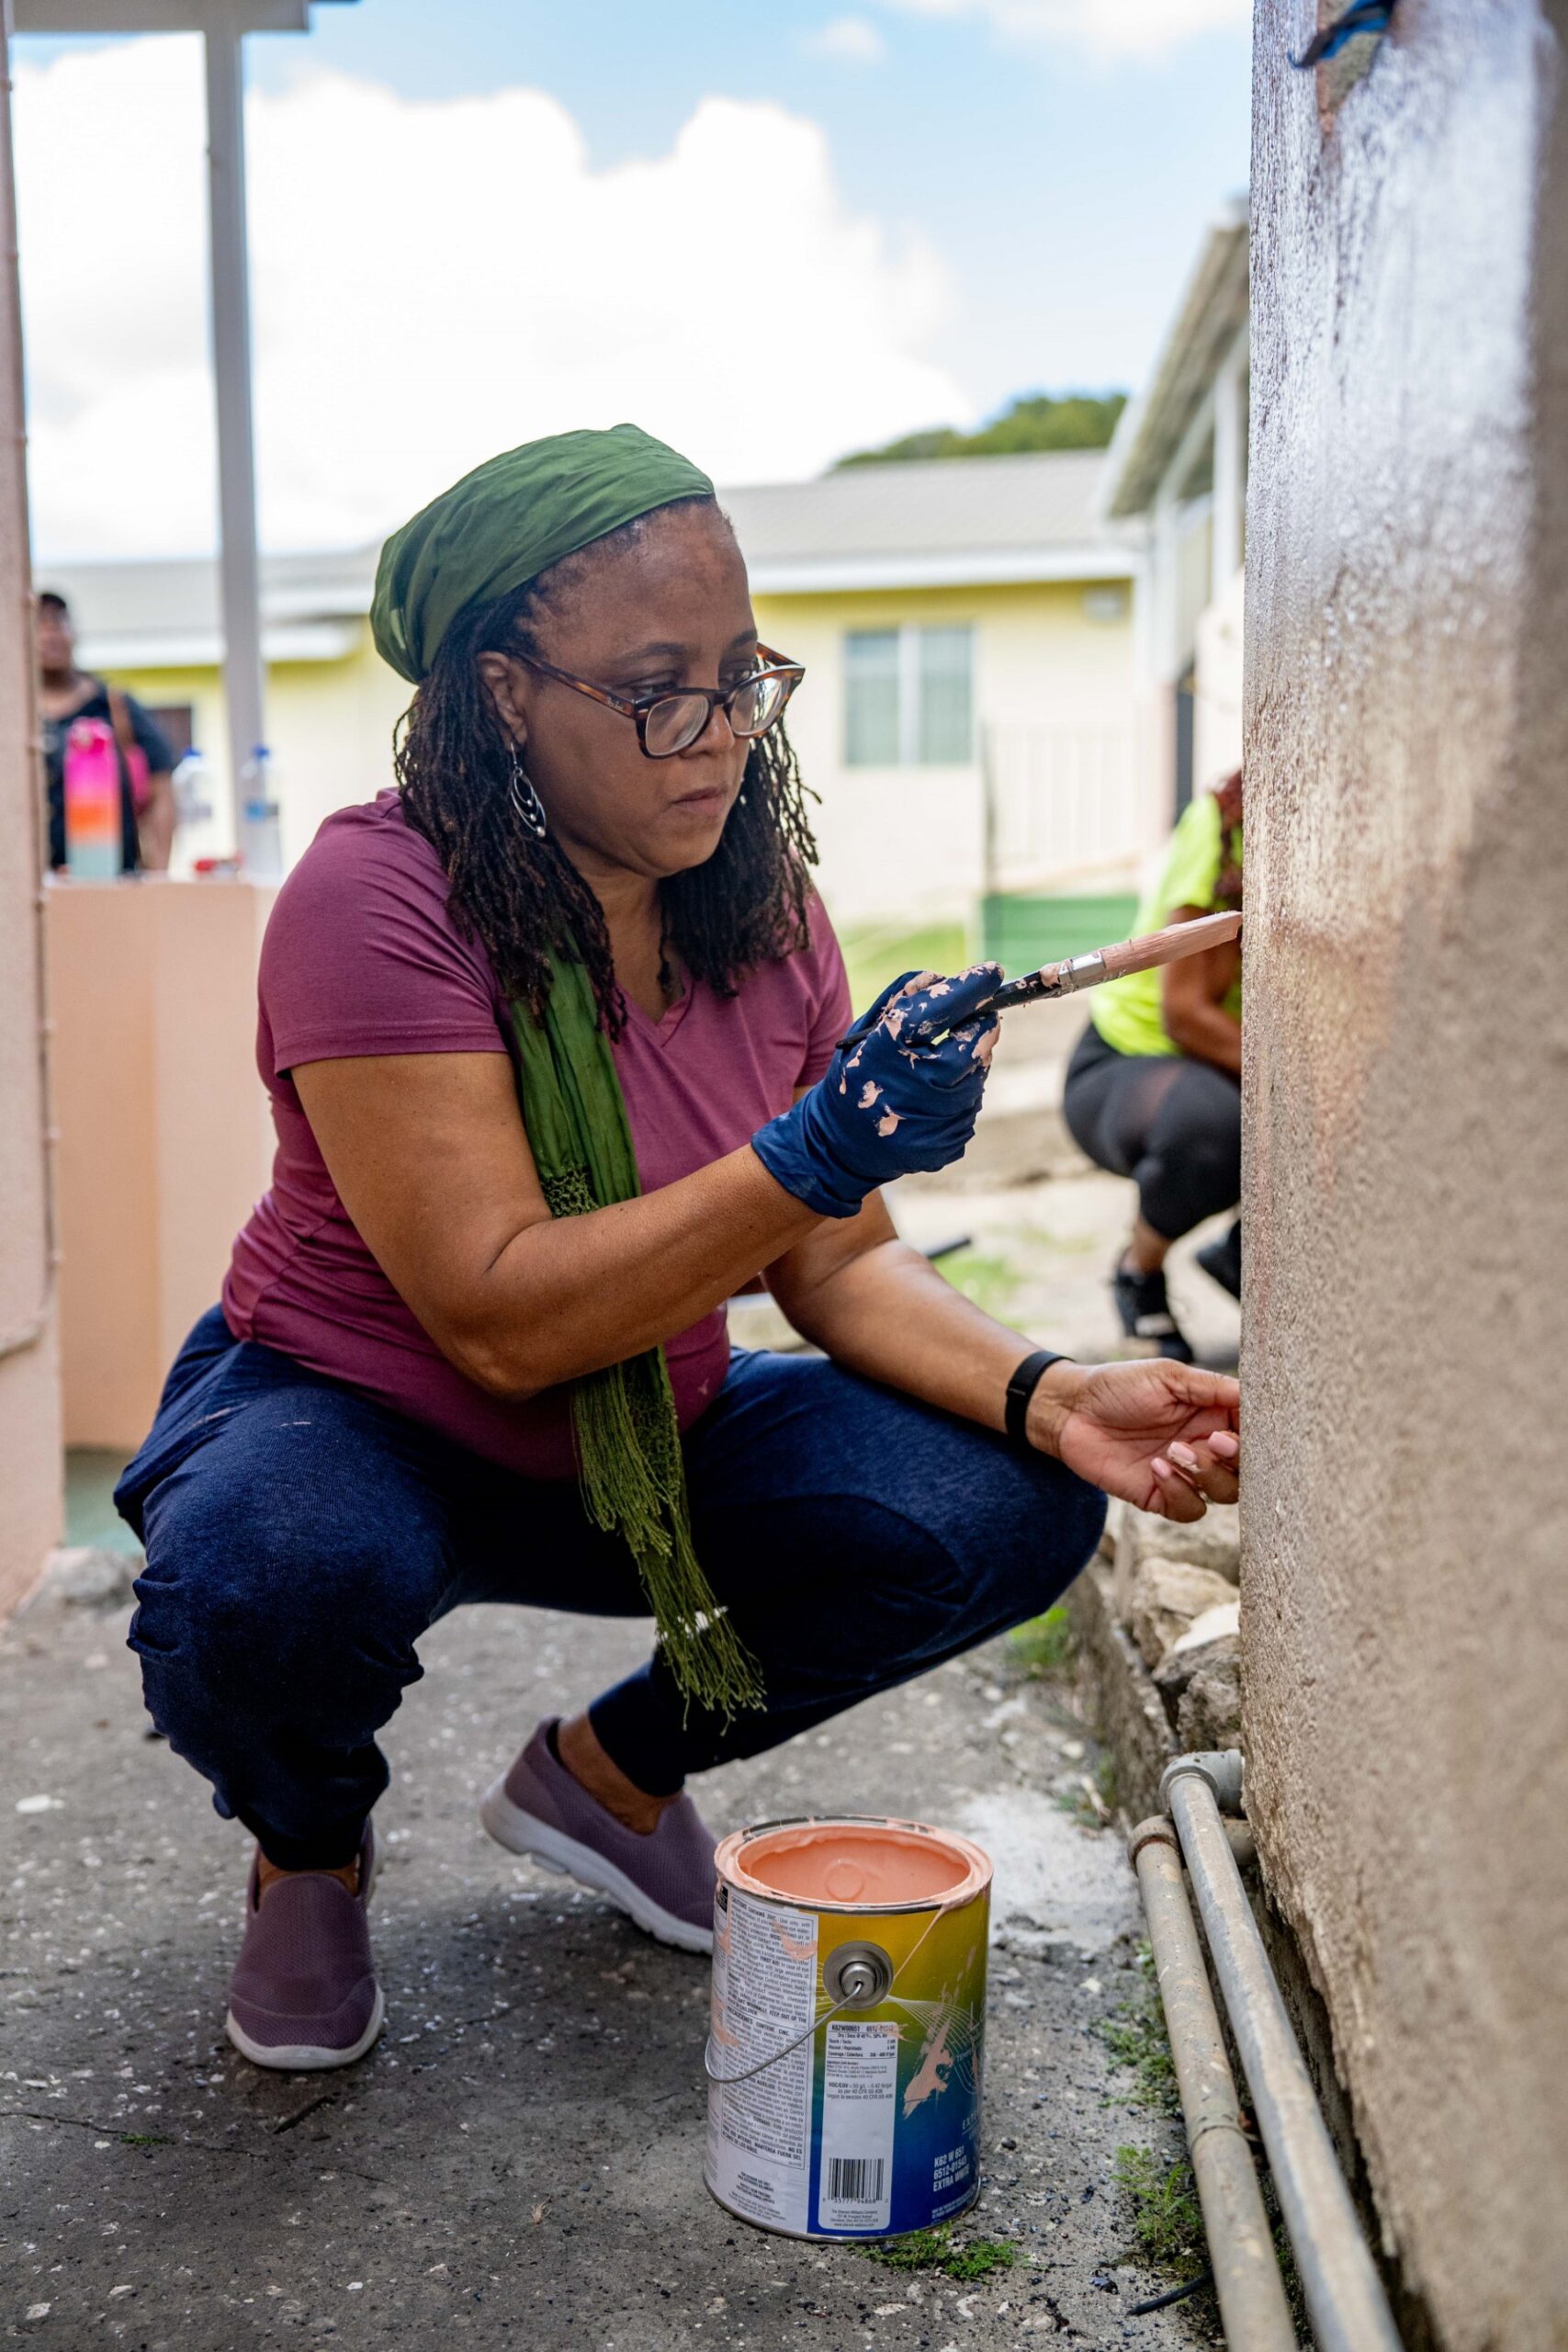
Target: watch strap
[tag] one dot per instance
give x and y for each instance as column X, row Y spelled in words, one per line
column 1021, row 1387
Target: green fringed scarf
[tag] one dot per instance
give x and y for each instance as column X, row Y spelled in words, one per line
column 628, row 1443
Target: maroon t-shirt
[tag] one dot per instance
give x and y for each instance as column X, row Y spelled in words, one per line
column 362, row 956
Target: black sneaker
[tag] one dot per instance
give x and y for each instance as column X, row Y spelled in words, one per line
column 1146, row 1319
column 1221, row 1259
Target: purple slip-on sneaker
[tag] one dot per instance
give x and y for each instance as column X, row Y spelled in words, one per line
column 664, row 1880
column 304, row 1994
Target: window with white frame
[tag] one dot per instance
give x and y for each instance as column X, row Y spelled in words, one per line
column 908, row 696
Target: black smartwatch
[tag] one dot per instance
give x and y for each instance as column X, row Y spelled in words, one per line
column 1021, row 1387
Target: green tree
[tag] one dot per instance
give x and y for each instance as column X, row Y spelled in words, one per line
column 1033, row 421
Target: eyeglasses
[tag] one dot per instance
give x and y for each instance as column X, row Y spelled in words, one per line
column 669, row 723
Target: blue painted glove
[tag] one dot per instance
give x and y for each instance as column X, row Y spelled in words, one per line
column 893, row 1100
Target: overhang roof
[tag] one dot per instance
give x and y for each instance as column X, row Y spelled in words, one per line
column 1212, row 313
column 931, row 523
column 159, row 16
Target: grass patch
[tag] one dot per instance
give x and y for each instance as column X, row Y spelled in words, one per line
column 875, row 952
column 992, row 1281
column 938, row 2250
column 1136, row 2039
column 1046, row 1644
column 1162, row 2203
column 1093, row 1799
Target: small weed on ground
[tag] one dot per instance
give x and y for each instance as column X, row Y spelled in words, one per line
column 1162, row 2201
column 1091, row 1802
column 1136, row 2039
column 1047, row 1645
column 938, row 2250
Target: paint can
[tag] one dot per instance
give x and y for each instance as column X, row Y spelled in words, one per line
column 846, row 2053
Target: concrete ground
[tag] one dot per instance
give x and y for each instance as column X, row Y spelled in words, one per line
column 521, row 2157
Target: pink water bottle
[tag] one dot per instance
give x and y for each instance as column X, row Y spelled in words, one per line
column 92, row 838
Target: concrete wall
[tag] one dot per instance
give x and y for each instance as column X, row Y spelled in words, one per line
column 31, row 1496
column 1405, row 1608
column 165, row 1140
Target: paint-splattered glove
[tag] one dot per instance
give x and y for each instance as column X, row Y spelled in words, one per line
column 893, row 1100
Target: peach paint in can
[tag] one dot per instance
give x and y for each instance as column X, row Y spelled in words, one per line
column 846, row 2056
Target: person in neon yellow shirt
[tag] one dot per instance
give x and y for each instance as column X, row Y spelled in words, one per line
column 1154, row 1089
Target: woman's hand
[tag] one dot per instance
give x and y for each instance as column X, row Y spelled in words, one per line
column 1160, row 1435
column 893, row 1100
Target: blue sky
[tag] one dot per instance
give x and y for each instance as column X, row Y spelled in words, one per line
column 466, row 215
column 1066, row 191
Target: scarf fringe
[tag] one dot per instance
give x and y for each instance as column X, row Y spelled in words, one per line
column 633, row 1482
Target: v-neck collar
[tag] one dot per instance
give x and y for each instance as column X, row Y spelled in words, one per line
column 665, row 1030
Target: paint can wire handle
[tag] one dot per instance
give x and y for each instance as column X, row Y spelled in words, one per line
column 865, row 1982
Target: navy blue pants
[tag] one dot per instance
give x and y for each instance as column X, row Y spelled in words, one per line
column 300, row 1539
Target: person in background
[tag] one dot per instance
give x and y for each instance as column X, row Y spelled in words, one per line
column 146, row 760
column 1154, row 1089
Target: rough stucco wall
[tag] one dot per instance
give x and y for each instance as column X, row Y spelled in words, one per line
column 1405, row 1620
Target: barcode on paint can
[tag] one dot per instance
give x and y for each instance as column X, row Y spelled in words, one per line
column 855, row 2181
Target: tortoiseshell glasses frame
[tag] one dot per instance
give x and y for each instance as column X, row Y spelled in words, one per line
column 680, row 716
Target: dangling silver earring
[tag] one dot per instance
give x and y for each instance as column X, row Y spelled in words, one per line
column 524, row 799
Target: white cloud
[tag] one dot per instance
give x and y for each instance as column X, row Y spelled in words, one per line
column 433, row 282
column 851, row 40
column 1104, row 28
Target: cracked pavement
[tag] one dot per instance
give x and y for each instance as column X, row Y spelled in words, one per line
column 521, row 2157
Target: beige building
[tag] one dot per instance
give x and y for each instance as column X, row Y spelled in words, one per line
column 966, row 623
column 1177, row 472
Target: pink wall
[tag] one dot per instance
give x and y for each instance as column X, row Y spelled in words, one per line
column 165, row 1139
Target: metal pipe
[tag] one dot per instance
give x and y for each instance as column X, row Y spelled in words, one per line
column 1253, row 2305
column 1344, row 2294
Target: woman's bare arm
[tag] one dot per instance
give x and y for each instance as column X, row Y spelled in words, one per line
column 431, row 1159
column 1163, row 1436
column 1193, row 995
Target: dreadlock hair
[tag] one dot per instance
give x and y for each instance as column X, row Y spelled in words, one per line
column 523, row 898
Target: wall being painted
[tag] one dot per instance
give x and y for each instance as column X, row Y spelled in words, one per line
column 1405, row 1611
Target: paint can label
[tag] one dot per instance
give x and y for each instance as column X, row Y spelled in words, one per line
column 870, row 2125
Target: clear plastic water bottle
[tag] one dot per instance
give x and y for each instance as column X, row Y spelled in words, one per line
column 262, row 832
column 193, row 789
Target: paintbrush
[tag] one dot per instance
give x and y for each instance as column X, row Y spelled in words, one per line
column 1145, row 954
column 1077, row 972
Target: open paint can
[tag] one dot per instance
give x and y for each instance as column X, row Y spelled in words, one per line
column 849, row 2009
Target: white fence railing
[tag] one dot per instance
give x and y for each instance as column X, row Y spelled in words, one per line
column 1060, row 805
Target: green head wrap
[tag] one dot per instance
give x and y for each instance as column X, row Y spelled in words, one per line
column 508, row 521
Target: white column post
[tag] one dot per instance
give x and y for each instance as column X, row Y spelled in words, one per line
column 257, row 833
column 1225, row 561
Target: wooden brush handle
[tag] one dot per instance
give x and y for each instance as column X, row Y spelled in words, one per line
column 1157, row 947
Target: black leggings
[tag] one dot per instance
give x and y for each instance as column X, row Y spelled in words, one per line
column 1172, row 1124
